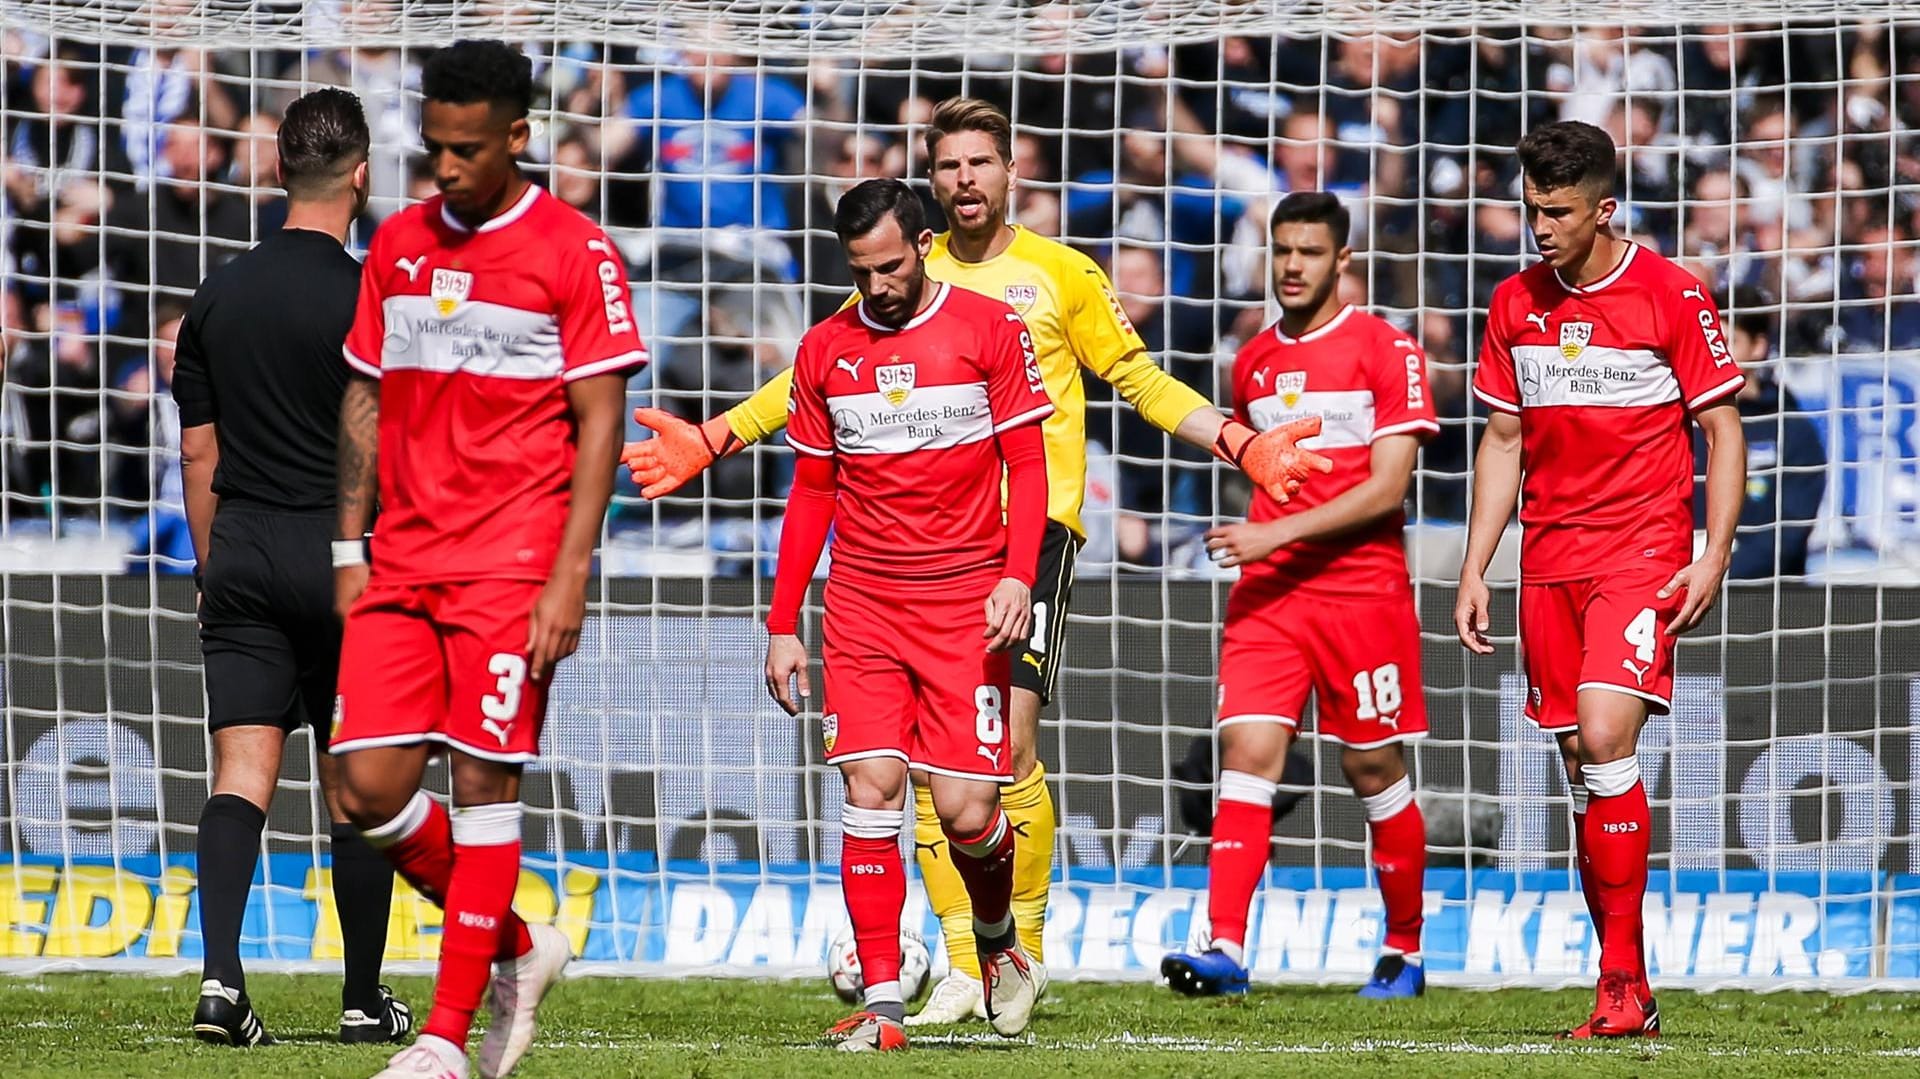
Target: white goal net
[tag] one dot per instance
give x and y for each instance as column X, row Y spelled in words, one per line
column 681, row 822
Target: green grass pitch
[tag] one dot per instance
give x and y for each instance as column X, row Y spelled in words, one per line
column 129, row 1025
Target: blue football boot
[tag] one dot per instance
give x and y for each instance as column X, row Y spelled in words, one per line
column 1395, row 979
column 1208, row 974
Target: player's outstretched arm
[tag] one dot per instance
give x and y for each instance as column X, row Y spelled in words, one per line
column 553, row 631
column 679, row 450
column 1496, row 487
column 1390, row 469
column 356, row 489
column 1726, row 491
column 803, row 535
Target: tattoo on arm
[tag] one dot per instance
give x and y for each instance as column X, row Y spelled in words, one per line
column 359, row 455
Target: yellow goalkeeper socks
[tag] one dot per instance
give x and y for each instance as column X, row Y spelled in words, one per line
column 1029, row 806
column 946, row 892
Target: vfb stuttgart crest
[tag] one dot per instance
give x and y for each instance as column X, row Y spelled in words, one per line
column 895, row 381
column 829, row 731
column 1021, row 297
column 1574, row 336
column 1288, row 386
column 450, row 289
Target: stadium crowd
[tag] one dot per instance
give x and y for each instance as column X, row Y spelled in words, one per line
column 1779, row 165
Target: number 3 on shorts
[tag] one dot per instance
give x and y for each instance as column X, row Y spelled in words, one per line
column 504, row 703
column 987, row 725
column 1642, row 634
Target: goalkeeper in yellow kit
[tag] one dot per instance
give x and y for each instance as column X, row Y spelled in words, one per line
column 1076, row 320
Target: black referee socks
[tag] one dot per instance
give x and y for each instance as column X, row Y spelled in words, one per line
column 362, row 893
column 227, row 849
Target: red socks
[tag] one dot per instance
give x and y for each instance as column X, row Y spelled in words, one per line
column 985, row 865
column 873, row 879
column 469, row 867
column 1618, row 830
column 1399, row 835
column 1589, row 884
column 1242, row 836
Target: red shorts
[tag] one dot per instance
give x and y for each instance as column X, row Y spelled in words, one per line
column 1361, row 661
column 441, row 663
column 1607, row 632
column 909, row 676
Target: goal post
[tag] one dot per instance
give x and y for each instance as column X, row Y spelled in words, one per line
column 679, row 821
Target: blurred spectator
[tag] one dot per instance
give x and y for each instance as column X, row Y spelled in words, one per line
column 717, row 135
column 1786, row 462
column 1156, row 475
column 146, row 436
column 576, row 175
column 1879, row 310
column 169, row 237
column 256, row 167
column 906, row 156
column 1036, row 198
column 1442, row 483
column 58, row 379
column 823, row 267
column 1150, row 201
column 1601, row 66
column 162, row 86
column 1725, row 69
column 52, row 145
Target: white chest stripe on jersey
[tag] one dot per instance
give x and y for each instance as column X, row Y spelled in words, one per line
column 929, row 418
column 1599, row 377
column 486, row 339
column 1346, row 416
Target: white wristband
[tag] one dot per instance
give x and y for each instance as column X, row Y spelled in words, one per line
column 351, row 552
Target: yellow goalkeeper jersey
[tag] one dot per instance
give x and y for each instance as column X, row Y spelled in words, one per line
column 1076, row 321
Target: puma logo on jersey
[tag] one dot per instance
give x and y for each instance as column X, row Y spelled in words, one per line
column 1697, row 292
column 1538, row 318
column 411, row 266
column 1639, row 673
column 992, row 754
column 497, row 729
column 1260, row 378
column 850, row 367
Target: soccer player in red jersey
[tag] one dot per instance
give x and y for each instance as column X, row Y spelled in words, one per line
column 1593, row 363
column 494, row 338
column 1323, row 604
column 908, row 408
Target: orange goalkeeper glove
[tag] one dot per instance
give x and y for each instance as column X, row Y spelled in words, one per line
column 678, row 450
column 1271, row 458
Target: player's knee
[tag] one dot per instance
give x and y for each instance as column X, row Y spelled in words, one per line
column 969, row 817
column 366, row 809
column 1371, row 771
column 874, row 788
column 1258, row 749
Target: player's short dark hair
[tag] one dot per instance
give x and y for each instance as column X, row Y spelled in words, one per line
column 473, row 71
column 322, row 139
column 1313, row 208
column 871, row 201
column 1569, row 153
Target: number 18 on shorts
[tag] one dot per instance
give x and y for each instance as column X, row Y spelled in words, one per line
column 444, row 664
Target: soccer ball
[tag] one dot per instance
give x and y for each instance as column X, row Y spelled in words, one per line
column 843, row 966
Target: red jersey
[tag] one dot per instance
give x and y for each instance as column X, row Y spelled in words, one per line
column 1365, row 379
column 911, row 415
column 1605, row 378
column 474, row 335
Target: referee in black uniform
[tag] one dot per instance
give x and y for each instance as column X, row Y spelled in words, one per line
column 259, row 381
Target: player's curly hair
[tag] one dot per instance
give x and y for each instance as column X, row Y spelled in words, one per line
column 471, row 71
column 1569, row 153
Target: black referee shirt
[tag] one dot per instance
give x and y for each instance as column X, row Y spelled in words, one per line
column 259, row 355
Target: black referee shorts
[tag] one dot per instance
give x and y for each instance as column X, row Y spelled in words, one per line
column 1036, row 663
column 268, row 634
